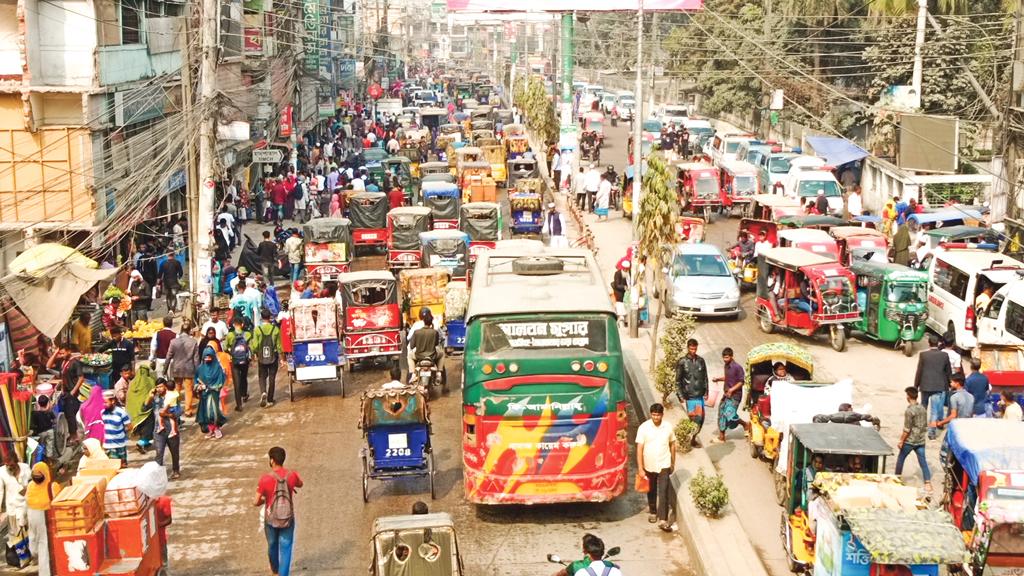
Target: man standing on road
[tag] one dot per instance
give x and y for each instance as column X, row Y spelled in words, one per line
column 554, row 227
column 732, row 394
column 238, row 343
column 692, row 386
column 170, row 280
column 915, row 424
column 932, row 379
column 267, row 254
column 656, row 457
column 121, row 350
column 556, row 167
column 266, row 341
column 961, row 403
column 591, row 183
column 159, row 346
column 293, row 245
column 276, row 493
column 978, row 385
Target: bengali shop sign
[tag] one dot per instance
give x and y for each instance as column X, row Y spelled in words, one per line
column 571, row 5
column 311, row 36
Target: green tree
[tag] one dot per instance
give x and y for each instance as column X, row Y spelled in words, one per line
column 530, row 95
column 659, row 212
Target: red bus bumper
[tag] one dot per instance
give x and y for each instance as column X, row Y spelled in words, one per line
column 603, row 486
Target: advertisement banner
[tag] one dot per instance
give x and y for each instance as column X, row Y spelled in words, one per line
column 571, row 5
column 284, row 129
column 311, row 36
column 252, row 36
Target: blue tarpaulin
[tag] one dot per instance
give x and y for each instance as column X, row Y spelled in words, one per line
column 836, row 151
column 981, row 444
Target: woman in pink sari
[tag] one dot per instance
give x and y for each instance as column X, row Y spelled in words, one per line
column 91, row 414
column 335, row 205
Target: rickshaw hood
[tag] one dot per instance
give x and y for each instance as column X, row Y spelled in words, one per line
column 982, row 444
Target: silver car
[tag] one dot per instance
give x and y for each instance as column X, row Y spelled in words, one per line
column 698, row 282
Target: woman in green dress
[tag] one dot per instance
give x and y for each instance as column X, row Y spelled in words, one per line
column 210, row 379
column 142, row 418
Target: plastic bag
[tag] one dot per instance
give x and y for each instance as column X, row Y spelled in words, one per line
column 151, row 479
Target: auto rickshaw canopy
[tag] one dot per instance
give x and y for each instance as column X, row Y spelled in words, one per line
column 784, row 352
column 811, row 221
column 843, row 439
column 847, row 232
column 983, row 444
column 795, row 258
column 321, row 230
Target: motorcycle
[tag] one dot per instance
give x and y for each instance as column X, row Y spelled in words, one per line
column 429, row 376
column 556, row 559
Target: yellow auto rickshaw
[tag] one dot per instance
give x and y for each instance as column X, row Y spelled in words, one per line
column 495, row 155
column 476, row 183
column 412, row 153
column 462, row 156
column 761, row 371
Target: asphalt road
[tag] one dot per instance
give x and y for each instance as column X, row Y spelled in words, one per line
column 879, row 372
column 215, row 529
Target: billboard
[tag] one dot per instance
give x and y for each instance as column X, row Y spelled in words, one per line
column 570, row 5
column 929, row 143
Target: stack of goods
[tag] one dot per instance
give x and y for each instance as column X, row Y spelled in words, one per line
column 315, row 319
column 456, row 298
column 482, row 189
column 529, row 185
column 105, row 522
column 144, row 330
column 15, row 411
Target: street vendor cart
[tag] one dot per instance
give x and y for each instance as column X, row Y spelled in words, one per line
column 317, row 355
column 328, row 247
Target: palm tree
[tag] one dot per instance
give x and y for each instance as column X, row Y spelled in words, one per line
column 656, row 225
column 909, row 7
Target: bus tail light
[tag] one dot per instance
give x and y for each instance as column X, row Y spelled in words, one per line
column 588, row 365
column 575, row 365
column 602, row 366
column 969, row 319
column 486, row 369
column 499, row 368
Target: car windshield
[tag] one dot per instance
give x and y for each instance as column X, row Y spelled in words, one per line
column 906, row 293
column 744, row 184
column 706, row 187
column 652, row 126
column 809, row 188
column 699, row 265
column 778, row 165
column 732, row 147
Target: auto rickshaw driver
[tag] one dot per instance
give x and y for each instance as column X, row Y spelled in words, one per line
column 817, row 465
column 745, row 247
column 802, row 302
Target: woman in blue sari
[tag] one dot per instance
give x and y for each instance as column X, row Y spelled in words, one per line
column 210, row 379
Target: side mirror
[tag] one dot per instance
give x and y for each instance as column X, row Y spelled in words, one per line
column 614, row 551
column 554, row 558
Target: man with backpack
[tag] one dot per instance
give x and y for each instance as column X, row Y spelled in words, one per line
column 239, row 347
column 275, row 492
column 267, row 343
column 593, row 563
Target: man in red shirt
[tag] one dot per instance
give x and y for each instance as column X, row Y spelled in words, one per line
column 396, row 197
column 278, row 194
column 280, row 510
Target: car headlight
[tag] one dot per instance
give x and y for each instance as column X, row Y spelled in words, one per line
column 733, row 292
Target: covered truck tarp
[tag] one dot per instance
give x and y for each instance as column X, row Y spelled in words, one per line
column 406, row 224
column 981, row 444
column 321, row 230
column 836, row 151
column 907, row 536
column 481, row 221
column 368, row 210
column 446, row 249
column 46, row 281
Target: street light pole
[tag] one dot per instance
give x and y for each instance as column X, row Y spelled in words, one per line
column 209, row 15
column 638, row 120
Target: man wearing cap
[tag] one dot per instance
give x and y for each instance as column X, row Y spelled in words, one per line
column 116, row 425
column 554, row 227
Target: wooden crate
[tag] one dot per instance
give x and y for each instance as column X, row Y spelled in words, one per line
column 118, row 502
column 106, row 468
column 76, row 510
column 132, row 536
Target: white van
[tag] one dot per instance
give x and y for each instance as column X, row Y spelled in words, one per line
column 1002, row 324
column 955, row 277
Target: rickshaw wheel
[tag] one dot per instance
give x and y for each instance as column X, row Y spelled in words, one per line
column 780, row 487
column 444, row 380
column 764, row 319
column 707, row 214
column 755, row 452
column 366, row 480
column 430, row 475
column 908, row 348
column 787, row 544
column 837, row 337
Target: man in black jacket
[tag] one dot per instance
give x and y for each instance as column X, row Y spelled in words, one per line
column 932, row 379
column 692, row 385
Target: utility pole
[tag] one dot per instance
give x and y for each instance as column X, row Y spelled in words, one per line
column 655, row 54
column 191, row 173
column 922, row 18
column 638, row 121
column 1011, row 136
column 207, row 151
column 568, row 62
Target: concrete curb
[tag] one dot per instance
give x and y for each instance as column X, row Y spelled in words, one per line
column 720, row 546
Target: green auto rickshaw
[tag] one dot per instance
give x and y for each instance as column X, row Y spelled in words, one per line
column 401, row 167
column 373, row 159
column 893, row 300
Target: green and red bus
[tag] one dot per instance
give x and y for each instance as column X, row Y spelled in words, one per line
column 544, row 401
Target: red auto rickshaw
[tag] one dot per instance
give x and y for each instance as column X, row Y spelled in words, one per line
column 482, row 222
column 371, row 319
column 739, row 185
column 858, row 243
column 368, row 212
column 804, row 292
column 404, row 227
column 699, row 188
column 810, row 239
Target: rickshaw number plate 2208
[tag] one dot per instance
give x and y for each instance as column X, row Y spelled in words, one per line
column 397, row 442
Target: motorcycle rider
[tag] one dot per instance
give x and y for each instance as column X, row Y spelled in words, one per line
column 425, row 344
column 745, row 247
column 593, row 562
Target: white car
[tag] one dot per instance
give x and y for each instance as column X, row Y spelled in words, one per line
column 608, row 102
column 626, row 107
column 699, row 282
column 805, row 184
column 671, row 114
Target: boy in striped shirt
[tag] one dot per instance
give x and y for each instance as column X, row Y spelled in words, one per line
column 116, row 424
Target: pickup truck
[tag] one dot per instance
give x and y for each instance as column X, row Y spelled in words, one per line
column 1001, row 338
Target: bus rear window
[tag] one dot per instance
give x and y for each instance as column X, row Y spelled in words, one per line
column 580, row 334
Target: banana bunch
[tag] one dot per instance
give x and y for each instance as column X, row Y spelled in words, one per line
column 144, row 329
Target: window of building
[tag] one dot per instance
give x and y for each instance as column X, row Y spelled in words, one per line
column 131, row 23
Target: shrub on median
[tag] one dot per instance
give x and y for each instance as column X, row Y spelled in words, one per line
column 685, row 430
column 709, row 493
column 672, row 342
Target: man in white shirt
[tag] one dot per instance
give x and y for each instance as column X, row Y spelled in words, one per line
column 396, row 379
column 14, row 479
column 853, row 203
column 656, row 456
column 329, row 149
column 762, row 244
column 591, row 182
column 393, row 146
column 358, row 183
column 556, row 168
column 220, row 328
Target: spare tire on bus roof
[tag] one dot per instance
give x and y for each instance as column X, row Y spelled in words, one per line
column 537, row 265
